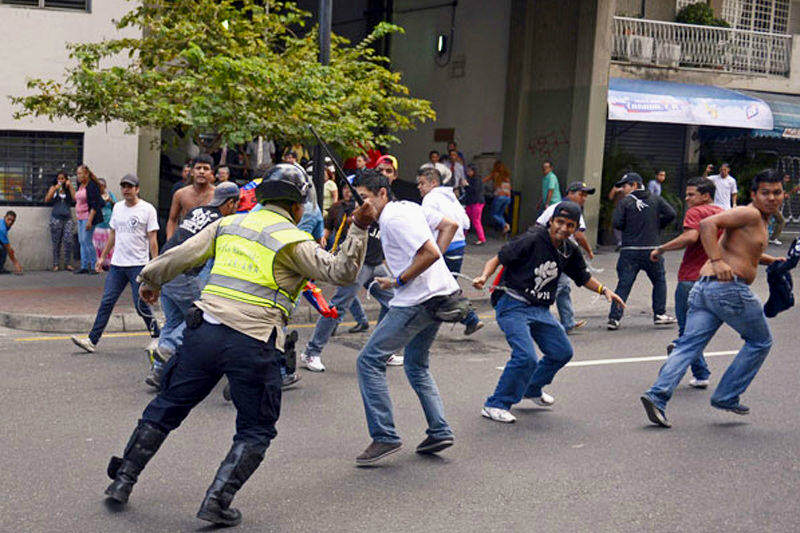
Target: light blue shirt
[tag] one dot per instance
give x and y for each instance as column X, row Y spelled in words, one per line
column 654, row 187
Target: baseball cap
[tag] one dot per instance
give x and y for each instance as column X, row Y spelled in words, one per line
column 130, row 179
column 569, row 210
column 392, row 160
column 580, row 186
column 224, row 192
column 629, row 177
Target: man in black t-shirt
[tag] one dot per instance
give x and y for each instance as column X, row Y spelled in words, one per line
column 182, row 291
column 532, row 263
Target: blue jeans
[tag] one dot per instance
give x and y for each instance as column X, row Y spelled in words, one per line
column 88, row 253
column 712, row 303
column 413, row 328
column 454, row 260
column 342, row 298
column 207, row 353
column 564, row 303
column 176, row 298
column 629, row 264
column 525, row 374
column 357, row 310
column 699, row 366
column 116, row 280
column 499, row 205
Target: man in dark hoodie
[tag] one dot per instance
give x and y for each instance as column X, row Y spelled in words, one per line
column 640, row 216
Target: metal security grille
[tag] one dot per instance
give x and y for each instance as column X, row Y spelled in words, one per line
column 78, row 5
column 29, row 161
column 771, row 16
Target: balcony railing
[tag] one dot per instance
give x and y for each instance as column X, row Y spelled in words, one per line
column 652, row 42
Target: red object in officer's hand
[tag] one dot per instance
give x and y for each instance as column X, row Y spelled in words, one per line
column 314, row 295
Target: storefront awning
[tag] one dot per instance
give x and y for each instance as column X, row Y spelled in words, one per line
column 683, row 103
column 785, row 114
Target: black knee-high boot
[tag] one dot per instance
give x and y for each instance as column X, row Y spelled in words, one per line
column 143, row 444
column 240, row 463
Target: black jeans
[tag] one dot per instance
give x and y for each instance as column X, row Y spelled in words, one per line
column 207, row 353
column 629, row 264
column 3, row 254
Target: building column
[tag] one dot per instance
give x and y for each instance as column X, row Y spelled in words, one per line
column 556, row 92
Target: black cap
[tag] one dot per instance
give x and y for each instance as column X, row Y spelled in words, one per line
column 630, row 177
column 580, row 186
column 130, row 179
column 569, row 210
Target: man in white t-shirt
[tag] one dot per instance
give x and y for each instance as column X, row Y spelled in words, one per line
column 414, row 258
column 133, row 238
column 576, row 192
column 727, row 190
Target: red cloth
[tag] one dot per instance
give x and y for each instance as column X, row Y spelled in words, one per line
column 372, row 155
column 695, row 256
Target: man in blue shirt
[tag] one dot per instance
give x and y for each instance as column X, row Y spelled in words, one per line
column 5, row 247
column 654, row 185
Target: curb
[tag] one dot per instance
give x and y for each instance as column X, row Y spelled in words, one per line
column 131, row 322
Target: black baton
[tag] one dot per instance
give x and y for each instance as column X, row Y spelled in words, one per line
column 343, row 176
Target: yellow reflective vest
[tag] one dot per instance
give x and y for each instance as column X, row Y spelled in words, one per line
column 244, row 258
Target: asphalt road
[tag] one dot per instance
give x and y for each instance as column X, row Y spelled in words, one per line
column 591, row 463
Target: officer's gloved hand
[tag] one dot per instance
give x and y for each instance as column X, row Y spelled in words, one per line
column 365, row 215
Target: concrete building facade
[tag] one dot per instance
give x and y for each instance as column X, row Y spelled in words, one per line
column 34, row 46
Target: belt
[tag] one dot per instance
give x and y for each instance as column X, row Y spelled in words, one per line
column 703, row 279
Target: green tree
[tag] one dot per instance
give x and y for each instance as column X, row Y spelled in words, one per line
column 234, row 68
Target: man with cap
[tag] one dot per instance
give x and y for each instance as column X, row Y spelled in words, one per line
column 532, row 263
column 576, row 192
column 261, row 264
column 640, row 216
column 183, row 290
column 134, row 225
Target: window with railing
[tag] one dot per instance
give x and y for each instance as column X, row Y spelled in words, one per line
column 771, row 16
column 30, row 160
column 77, row 5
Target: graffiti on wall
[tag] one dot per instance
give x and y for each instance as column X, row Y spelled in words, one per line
column 549, row 145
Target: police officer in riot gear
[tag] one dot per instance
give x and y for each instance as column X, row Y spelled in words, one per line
column 262, row 262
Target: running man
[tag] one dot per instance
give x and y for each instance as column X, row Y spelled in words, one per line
column 700, row 200
column 723, row 295
column 532, row 265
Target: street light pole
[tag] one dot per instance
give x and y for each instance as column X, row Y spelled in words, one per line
column 325, row 16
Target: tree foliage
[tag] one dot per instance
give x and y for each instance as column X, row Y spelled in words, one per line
column 234, row 68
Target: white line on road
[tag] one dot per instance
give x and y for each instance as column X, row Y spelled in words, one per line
column 598, row 362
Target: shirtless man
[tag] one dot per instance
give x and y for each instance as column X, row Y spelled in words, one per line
column 722, row 295
column 200, row 192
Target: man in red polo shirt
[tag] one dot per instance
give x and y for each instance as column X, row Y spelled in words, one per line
column 700, row 200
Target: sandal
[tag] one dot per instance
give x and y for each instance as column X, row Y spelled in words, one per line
column 55, row 268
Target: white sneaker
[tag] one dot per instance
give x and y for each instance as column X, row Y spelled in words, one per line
column 84, row 343
column 776, row 242
column 312, row 363
column 661, row 320
column 545, row 400
column 498, row 415
column 699, row 383
column 395, row 360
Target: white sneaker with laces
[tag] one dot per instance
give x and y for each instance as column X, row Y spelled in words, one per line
column 545, row 400
column 498, row 415
column 84, row 343
column 660, row 320
column 776, row 242
column 699, row 383
column 395, row 360
column 312, row 363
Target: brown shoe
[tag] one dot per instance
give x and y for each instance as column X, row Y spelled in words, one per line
column 377, row 451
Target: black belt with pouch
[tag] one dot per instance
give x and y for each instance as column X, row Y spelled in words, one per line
column 194, row 317
column 448, row 308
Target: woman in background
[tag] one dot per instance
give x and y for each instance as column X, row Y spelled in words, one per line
column 61, row 196
column 102, row 230
column 501, row 178
column 89, row 211
column 473, row 201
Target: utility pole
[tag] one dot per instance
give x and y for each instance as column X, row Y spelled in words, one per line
column 325, row 16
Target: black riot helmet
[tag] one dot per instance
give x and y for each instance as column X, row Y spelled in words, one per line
column 283, row 182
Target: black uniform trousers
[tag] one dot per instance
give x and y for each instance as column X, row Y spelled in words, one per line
column 209, row 352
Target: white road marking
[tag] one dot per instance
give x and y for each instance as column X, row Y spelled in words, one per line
column 598, row 362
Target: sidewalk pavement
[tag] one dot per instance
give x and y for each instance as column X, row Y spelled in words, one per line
column 61, row 302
